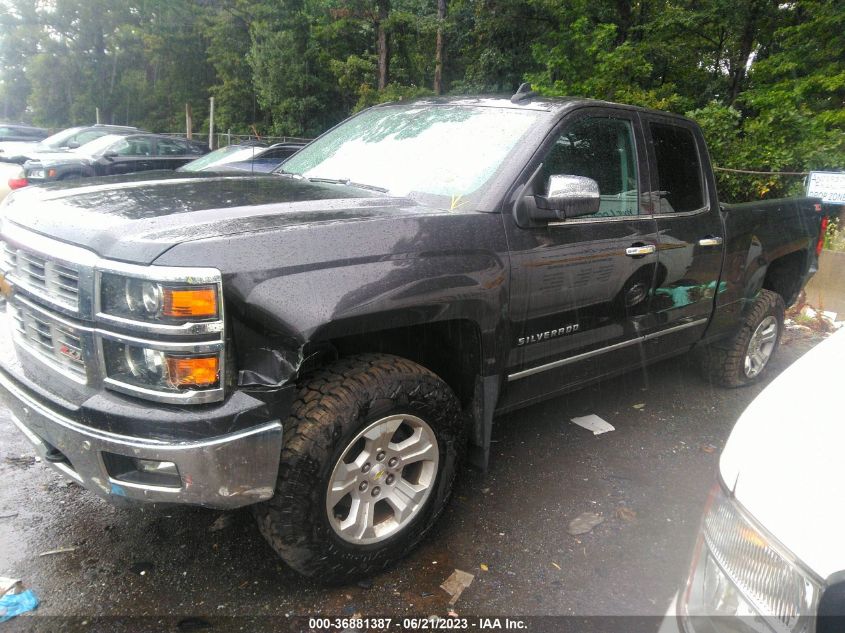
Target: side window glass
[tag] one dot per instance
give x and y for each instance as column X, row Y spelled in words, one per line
column 170, row 147
column 121, row 148
column 679, row 179
column 600, row 148
column 85, row 137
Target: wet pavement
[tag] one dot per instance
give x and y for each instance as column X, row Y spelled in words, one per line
column 649, row 479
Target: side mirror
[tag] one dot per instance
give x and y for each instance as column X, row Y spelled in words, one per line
column 570, row 197
column 110, row 155
column 73, row 145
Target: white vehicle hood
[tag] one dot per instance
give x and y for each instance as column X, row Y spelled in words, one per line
column 785, row 459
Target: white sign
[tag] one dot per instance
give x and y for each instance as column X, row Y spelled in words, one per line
column 827, row 185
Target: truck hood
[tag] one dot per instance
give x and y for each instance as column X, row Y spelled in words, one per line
column 137, row 218
column 784, row 458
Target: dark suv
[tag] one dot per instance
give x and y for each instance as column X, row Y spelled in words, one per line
column 25, row 133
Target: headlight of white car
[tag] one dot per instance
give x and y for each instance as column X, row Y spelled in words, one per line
column 743, row 580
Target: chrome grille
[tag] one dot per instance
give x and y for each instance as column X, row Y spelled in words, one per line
column 51, row 280
column 55, row 343
column 762, row 574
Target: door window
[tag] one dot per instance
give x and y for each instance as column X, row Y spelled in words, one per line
column 171, row 147
column 90, row 135
column 600, row 148
column 132, row 147
column 679, row 177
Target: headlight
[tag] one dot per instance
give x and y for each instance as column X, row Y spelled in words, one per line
column 165, row 332
column 154, row 301
column 742, row 580
column 146, row 368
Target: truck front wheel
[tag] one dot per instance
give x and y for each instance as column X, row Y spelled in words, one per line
column 370, row 454
column 743, row 359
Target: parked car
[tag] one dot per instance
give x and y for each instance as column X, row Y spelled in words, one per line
column 324, row 342
column 112, row 154
column 18, row 132
column 11, row 178
column 68, row 139
column 256, row 158
column 769, row 556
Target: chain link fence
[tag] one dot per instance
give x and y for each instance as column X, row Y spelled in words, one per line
column 222, row 139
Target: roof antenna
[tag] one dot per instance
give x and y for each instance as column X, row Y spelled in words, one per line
column 523, row 93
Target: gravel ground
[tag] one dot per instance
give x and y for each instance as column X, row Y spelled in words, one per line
column 185, row 567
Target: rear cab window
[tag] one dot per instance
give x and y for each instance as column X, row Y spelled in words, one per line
column 680, row 179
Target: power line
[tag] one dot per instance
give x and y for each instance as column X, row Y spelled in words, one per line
column 763, row 173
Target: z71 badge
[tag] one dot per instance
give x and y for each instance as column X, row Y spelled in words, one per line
column 544, row 336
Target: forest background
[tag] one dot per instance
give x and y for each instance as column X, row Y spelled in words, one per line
column 765, row 79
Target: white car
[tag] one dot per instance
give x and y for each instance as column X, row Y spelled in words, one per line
column 771, row 553
column 11, row 177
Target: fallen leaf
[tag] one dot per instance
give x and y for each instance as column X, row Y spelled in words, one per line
column 584, row 522
column 640, row 406
column 222, row 522
column 708, row 448
column 556, row 566
column 626, row 514
column 484, row 567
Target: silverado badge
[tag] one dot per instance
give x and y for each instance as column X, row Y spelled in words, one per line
column 544, row 336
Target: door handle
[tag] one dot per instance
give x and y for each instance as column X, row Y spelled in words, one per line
column 710, row 241
column 640, row 251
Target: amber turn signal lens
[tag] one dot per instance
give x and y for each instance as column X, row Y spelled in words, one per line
column 193, row 372
column 200, row 302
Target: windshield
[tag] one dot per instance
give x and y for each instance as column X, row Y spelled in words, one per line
column 59, row 139
column 438, row 150
column 228, row 154
column 98, row 145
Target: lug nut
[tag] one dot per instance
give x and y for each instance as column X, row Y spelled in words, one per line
column 380, row 455
column 392, row 462
column 376, row 490
column 389, row 479
column 366, row 468
column 363, row 486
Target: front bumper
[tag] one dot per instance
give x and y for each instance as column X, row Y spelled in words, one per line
column 226, row 471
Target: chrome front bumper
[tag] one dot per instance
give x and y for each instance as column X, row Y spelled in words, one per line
column 228, row 471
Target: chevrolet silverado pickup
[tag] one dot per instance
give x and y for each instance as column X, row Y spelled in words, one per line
column 326, row 342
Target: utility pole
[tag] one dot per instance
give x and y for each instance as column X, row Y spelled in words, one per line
column 211, row 123
column 438, row 54
column 97, row 114
column 189, row 121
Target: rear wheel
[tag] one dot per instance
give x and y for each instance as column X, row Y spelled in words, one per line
column 744, row 358
column 370, row 455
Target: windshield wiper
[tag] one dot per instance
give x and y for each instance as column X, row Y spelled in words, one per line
column 348, row 183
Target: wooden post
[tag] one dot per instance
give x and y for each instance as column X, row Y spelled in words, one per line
column 189, row 122
column 97, row 114
column 211, row 123
column 438, row 49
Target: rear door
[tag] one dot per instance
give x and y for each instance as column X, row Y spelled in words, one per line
column 580, row 288
column 690, row 233
column 172, row 153
column 134, row 153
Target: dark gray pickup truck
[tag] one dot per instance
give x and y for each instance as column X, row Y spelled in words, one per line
column 326, row 342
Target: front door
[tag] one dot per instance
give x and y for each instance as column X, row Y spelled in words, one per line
column 133, row 154
column 581, row 288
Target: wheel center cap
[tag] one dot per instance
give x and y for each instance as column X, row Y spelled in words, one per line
column 378, row 472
